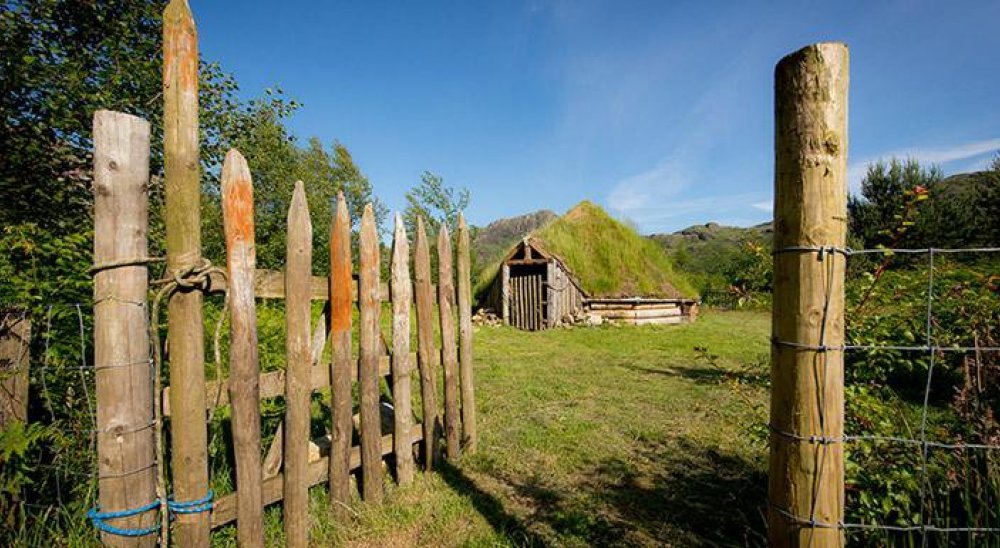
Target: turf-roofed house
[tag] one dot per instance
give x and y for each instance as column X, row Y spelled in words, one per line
column 586, row 265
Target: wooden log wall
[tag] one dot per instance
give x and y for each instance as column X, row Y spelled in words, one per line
column 643, row 311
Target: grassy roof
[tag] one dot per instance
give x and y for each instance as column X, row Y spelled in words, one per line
column 608, row 258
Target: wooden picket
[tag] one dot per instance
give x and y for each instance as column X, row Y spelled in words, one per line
column 244, row 361
column 298, row 270
column 449, row 351
column 294, row 462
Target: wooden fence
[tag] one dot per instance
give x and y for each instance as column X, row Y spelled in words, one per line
column 131, row 452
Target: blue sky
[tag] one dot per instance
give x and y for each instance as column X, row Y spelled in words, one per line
column 659, row 111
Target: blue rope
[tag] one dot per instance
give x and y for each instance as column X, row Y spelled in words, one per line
column 98, row 519
column 191, row 506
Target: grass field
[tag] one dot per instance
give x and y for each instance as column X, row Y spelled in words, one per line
column 607, row 436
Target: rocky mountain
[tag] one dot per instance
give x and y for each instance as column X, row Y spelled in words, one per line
column 495, row 238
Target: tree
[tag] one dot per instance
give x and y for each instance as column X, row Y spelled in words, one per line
column 989, row 203
column 880, row 216
column 435, row 203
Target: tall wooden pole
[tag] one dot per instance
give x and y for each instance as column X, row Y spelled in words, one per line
column 125, row 430
column 470, row 437
column 368, row 345
column 185, row 339
column 402, row 368
column 449, row 352
column 15, row 357
column 298, row 386
column 426, row 353
column 806, row 483
column 341, row 363
column 244, row 359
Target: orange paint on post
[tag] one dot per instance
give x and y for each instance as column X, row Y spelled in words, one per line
column 340, row 271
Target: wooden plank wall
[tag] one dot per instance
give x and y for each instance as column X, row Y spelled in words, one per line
column 566, row 297
column 528, row 301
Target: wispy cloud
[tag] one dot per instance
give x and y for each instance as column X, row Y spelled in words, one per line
column 766, row 205
column 936, row 156
column 664, row 216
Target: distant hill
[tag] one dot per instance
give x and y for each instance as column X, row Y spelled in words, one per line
column 497, row 237
column 608, row 258
column 712, row 234
column 705, row 252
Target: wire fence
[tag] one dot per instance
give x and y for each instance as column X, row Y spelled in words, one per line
column 896, row 519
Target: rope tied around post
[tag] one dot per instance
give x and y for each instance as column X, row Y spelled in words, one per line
column 99, row 519
column 193, row 277
column 204, row 504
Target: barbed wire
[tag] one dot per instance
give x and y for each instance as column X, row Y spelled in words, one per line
column 824, row 440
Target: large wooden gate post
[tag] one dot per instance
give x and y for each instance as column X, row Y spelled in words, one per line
column 125, row 429
column 806, row 484
column 186, row 337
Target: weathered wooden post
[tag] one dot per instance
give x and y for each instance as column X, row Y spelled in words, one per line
column 806, row 485
column 449, row 351
column 341, row 363
column 125, row 429
column 298, row 385
column 244, row 360
column 185, row 338
column 402, row 295
column 426, row 354
column 465, row 336
column 15, row 357
column 368, row 346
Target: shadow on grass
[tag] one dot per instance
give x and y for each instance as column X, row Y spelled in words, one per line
column 674, row 492
column 708, row 374
column 488, row 506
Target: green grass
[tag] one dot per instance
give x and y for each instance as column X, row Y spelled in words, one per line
column 610, row 435
column 608, row 258
column 588, row 436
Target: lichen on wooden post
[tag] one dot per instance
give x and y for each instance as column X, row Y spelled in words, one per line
column 125, row 433
column 806, row 484
column 469, row 435
column 298, row 385
column 244, row 359
column 402, row 368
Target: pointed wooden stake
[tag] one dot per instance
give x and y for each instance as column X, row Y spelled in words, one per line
column 186, row 337
column 465, row 337
column 341, row 364
column 369, row 339
column 244, row 364
column 426, row 352
column 449, row 352
column 298, row 385
column 402, row 295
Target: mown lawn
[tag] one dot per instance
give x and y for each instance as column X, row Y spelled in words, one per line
column 606, row 436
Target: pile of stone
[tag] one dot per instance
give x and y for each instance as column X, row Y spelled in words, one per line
column 582, row 319
column 486, row 317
